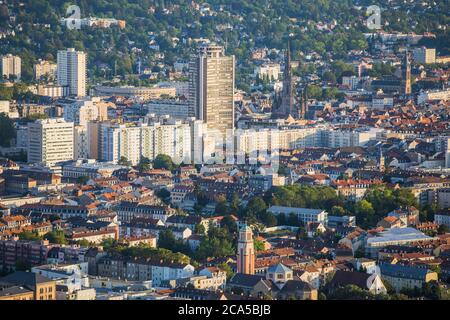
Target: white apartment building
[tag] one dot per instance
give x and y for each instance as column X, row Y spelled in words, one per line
column 424, row 55
column 338, row 138
column 134, row 141
column 351, row 81
column 249, row 140
column 50, row 141
column 11, row 67
column 304, row 215
column 71, row 71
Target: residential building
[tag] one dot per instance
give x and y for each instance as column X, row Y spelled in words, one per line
column 46, row 69
column 406, row 277
column 303, row 215
column 11, row 67
column 424, row 55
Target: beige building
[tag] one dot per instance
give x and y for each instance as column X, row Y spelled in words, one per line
column 211, row 87
column 45, row 68
column 424, row 55
column 406, row 277
column 41, row 287
column 11, row 67
column 141, row 92
column 50, row 141
column 71, row 71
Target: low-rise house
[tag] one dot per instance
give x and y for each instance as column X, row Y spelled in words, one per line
column 354, row 190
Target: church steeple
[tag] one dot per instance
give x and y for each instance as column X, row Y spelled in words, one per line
column 286, row 108
column 406, row 75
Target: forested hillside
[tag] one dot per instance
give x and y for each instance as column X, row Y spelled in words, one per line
column 239, row 24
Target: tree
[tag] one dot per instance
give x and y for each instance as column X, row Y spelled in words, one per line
column 225, row 267
column 27, row 235
column 82, row 180
column 108, row 243
column 123, row 161
column 7, row 131
column 443, row 229
column 258, row 245
column 200, row 229
column 56, row 237
column 144, row 164
column 432, row 290
column 163, row 161
column 167, row 240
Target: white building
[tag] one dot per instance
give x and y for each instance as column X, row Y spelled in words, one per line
column 11, row 67
column 442, row 218
column 72, row 279
column 304, row 215
column 71, row 71
column 270, row 71
column 382, row 102
column 338, row 138
column 50, row 141
column 52, row 91
column 172, row 138
column 351, row 81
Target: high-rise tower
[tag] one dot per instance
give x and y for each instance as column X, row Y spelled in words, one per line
column 246, row 251
column 71, row 71
column 211, row 87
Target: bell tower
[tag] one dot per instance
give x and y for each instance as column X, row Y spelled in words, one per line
column 246, row 251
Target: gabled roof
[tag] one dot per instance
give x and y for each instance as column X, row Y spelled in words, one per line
column 344, row 278
column 245, row 280
column 29, row 279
